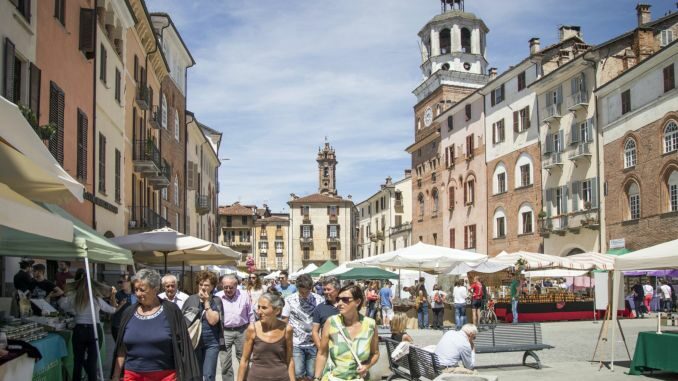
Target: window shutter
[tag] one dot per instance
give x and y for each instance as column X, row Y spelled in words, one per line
column 582, row 83
column 574, row 132
column 516, row 122
column 559, row 94
column 466, row 192
column 337, row 207
column 34, row 95
column 150, row 99
column 575, row 195
column 8, row 90
column 328, row 210
column 493, row 98
column 189, row 176
column 549, row 201
column 561, row 137
column 494, row 133
column 527, row 117
column 594, row 192
column 87, row 32
column 465, row 237
column 196, row 176
column 549, row 144
column 589, row 130
column 83, row 145
column 574, row 85
column 447, row 157
column 564, row 199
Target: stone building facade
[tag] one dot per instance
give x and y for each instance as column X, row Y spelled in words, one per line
column 271, row 237
column 236, row 222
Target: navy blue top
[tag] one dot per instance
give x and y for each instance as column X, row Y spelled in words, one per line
column 210, row 333
column 322, row 312
column 147, row 340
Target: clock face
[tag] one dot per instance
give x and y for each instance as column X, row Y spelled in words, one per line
column 428, row 117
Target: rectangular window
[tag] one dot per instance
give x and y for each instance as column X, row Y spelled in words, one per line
column 470, row 192
column 60, row 11
column 584, row 132
column 262, row 261
column 81, row 150
column 305, row 210
column 243, row 220
column 117, row 174
column 450, row 197
column 118, row 89
column 24, row 8
column 634, row 203
column 497, row 95
column 102, row 63
column 626, row 101
column 306, row 231
column 332, row 231
column 452, row 238
column 669, row 78
column 278, row 247
column 501, row 183
column 469, row 146
column 521, row 119
column 470, row 237
column 522, row 83
column 279, row 262
column 666, row 37
column 102, row 163
column 559, row 200
column 333, row 253
column 673, row 193
column 467, row 111
column 498, row 132
column 586, row 191
column 332, row 210
column 501, row 227
column 525, row 179
column 56, row 116
column 229, row 221
column 527, row 222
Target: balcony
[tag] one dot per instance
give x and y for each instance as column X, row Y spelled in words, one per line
column 161, row 179
column 582, row 151
column 146, row 156
column 551, row 113
column 202, row 204
column 142, row 97
column 579, row 101
column 333, row 240
column 306, row 241
column 333, row 218
column 399, row 206
column 278, row 251
column 263, row 250
column 545, row 227
column 555, row 160
column 380, row 235
column 401, row 228
column 143, row 218
column 237, row 242
column 155, row 121
column 373, row 237
column 560, row 224
column 306, row 219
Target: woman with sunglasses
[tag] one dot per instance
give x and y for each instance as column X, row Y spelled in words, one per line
column 255, row 290
column 349, row 339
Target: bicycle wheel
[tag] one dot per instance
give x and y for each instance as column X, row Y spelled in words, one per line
column 491, row 317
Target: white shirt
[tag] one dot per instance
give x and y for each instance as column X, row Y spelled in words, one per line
column 454, row 347
column 648, row 289
column 84, row 316
column 179, row 298
column 666, row 290
column 460, row 293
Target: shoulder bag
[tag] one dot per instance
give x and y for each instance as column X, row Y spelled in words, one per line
column 330, row 377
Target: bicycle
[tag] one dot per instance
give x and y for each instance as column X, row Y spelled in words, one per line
column 487, row 315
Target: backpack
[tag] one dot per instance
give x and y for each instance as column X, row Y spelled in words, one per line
column 437, row 298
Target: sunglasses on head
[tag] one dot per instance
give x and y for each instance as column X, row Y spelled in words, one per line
column 345, row 299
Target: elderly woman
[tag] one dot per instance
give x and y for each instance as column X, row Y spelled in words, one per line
column 268, row 344
column 349, row 338
column 210, row 311
column 153, row 341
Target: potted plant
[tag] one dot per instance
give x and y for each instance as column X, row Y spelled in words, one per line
column 541, row 215
column 46, row 131
column 520, row 264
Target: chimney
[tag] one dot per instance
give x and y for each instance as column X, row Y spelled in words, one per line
column 535, row 45
column 568, row 31
column 643, row 12
column 408, row 173
column 493, row 73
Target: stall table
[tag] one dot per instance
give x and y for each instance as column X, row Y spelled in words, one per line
column 651, row 352
column 19, row 368
column 546, row 311
column 53, row 349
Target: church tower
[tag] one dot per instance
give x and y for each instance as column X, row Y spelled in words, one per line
column 327, row 166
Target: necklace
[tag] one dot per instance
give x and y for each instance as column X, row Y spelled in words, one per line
column 148, row 314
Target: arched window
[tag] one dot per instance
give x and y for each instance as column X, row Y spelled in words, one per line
column 633, row 196
column 450, row 198
column 499, row 180
column 418, row 124
column 164, row 112
column 176, row 125
column 499, row 223
column 465, row 40
column 525, row 219
column 671, row 137
column 523, row 171
column 673, row 191
column 445, row 41
column 420, row 198
column 439, row 109
column 630, row 153
column 434, row 195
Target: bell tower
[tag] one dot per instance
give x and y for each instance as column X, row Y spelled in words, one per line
column 327, row 166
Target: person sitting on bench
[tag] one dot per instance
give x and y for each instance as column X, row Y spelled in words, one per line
column 457, row 347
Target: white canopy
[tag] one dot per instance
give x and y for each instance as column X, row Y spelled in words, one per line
column 230, row 270
column 483, row 267
column 20, row 213
column 593, row 261
column 554, row 273
column 534, row 261
column 310, row 267
column 273, row 275
column 422, row 257
column 27, row 165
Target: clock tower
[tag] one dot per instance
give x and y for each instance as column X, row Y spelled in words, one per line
column 453, row 64
column 327, row 166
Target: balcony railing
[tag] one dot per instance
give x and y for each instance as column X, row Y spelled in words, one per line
column 238, row 242
column 333, row 218
column 161, row 179
column 560, row 223
column 578, row 100
column 334, row 240
column 306, row 241
column 399, row 206
column 583, row 150
column 401, row 228
column 380, row 235
column 146, row 156
column 202, row 204
column 143, row 97
column 155, row 120
column 553, row 161
column 306, row 219
column 144, row 218
column 551, row 112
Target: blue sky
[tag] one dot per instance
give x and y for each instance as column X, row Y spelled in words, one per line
column 277, row 77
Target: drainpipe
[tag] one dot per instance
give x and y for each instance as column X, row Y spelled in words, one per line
column 598, row 139
column 541, row 191
column 94, row 118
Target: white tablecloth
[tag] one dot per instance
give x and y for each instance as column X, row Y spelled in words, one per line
column 21, row 368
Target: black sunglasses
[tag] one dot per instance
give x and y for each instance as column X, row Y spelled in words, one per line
column 345, row 299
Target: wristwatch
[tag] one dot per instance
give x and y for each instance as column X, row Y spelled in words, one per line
column 316, row 378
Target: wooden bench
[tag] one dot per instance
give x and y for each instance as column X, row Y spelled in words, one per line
column 524, row 337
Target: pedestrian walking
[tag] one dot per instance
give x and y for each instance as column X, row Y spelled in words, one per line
column 153, row 343
column 268, row 344
column 476, row 299
column 297, row 312
column 422, row 303
column 459, row 296
column 255, row 289
column 284, row 287
column 207, row 308
column 438, row 307
column 349, row 340
column 386, row 302
column 648, row 292
column 172, row 292
column 666, row 295
column 125, row 298
column 639, row 299
column 238, row 314
column 515, row 297
column 372, row 299
column 326, row 309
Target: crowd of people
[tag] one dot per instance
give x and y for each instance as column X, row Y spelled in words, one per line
column 643, row 294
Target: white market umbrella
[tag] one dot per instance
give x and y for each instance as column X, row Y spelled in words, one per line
column 555, row 273
column 421, row 256
column 593, row 261
column 310, row 267
column 534, row 261
column 27, row 166
column 483, row 267
column 273, row 275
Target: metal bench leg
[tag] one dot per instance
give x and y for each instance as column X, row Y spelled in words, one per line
column 537, row 365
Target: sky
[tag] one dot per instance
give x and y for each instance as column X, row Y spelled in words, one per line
column 279, row 77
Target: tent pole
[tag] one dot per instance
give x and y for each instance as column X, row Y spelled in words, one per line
column 95, row 326
column 183, row 263
column 615, row 295
column 165, row 255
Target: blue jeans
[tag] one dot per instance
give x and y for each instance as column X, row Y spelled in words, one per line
column 207, row 355
column 422, row 316
column 371, row 309
column 514, row 310
column 459, row 314
column 304, row 361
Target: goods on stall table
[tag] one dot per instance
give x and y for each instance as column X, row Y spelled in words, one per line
column 23, row 330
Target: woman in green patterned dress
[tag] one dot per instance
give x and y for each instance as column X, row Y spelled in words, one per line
column 350, row 339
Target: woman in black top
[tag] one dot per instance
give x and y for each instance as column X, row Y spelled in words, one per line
column 398, row 326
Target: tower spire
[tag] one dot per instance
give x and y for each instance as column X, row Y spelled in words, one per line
column 327, row 165
column 453, row 5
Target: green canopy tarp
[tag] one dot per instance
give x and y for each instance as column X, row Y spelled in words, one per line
column 361, row 273
column 87, row 243
column 327, row 266
column 620, row 251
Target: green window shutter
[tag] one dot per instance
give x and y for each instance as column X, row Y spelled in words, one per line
column 8, row 89
column 34, row 95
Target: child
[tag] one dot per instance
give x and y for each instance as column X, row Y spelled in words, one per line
column 398, row 326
